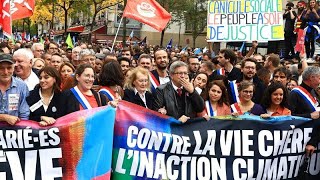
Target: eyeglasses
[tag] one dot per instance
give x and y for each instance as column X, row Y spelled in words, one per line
column 247, row 92
column 181, row 73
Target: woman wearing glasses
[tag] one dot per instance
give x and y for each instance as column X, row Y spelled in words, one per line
column 138, row 88
column 82, row 96
column 246, row 105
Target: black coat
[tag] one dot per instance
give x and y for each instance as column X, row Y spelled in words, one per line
column 235, row 74
column 72, row 104
column 129, row 95
column 297, row 105
column 165, row 96
column 55, row 108
column 259, row 89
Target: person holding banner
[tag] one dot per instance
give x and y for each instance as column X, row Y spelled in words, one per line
column 311, row 18
column 178, row 97
column 246, row 105
column 217, row 103
column 138, row 88
column 45, row 100
column 275, row 101
column 302, row 99
column 13, row 93
column 82, row 96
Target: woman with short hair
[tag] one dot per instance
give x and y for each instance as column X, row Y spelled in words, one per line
column 246, row 105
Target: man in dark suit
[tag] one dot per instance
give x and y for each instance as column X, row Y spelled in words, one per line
column 178, row 96
column 303, row 103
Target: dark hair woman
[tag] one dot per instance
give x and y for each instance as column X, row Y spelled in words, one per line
column 111, row 80
column 275, row 100
column 217, row 103
column 45, row 100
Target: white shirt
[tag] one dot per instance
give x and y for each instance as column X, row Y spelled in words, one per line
column 164, row 80
column 32, row 81
column 175, row 87
column 45, row 106
column 142, row 96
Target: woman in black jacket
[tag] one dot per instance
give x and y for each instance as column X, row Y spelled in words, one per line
column 45, row 100
column 138, row 88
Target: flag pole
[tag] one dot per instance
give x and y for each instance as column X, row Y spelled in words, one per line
column 115, row 37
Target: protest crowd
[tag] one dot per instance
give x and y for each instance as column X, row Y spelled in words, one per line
column 45, row 81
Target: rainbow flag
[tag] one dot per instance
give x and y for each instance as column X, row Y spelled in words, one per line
column 77, row 146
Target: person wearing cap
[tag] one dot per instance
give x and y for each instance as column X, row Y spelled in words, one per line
column 13, row 93
column 289, row 37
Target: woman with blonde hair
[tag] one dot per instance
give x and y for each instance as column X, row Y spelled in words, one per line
column 38, row 63
column 138, row 88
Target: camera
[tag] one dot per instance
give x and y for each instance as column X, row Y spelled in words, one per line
column 289, row 8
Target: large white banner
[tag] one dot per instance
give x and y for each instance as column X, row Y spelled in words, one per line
column 244, row 20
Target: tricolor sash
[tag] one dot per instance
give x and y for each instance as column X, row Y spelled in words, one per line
column 82, row 100
column 234, row 91
column 308, row 30
column 209, row 109
column 236, row 108
column 313, row 103
column 108, row 92
column 154, row 82
column 221, row 71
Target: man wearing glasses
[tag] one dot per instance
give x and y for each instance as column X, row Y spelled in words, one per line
column 13, row 93
column 177, row 98
column 37, row 50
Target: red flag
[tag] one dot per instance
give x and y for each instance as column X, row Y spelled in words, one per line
column 22, row 9
column 5, row 20
column 18, row 9
column 149, row 12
